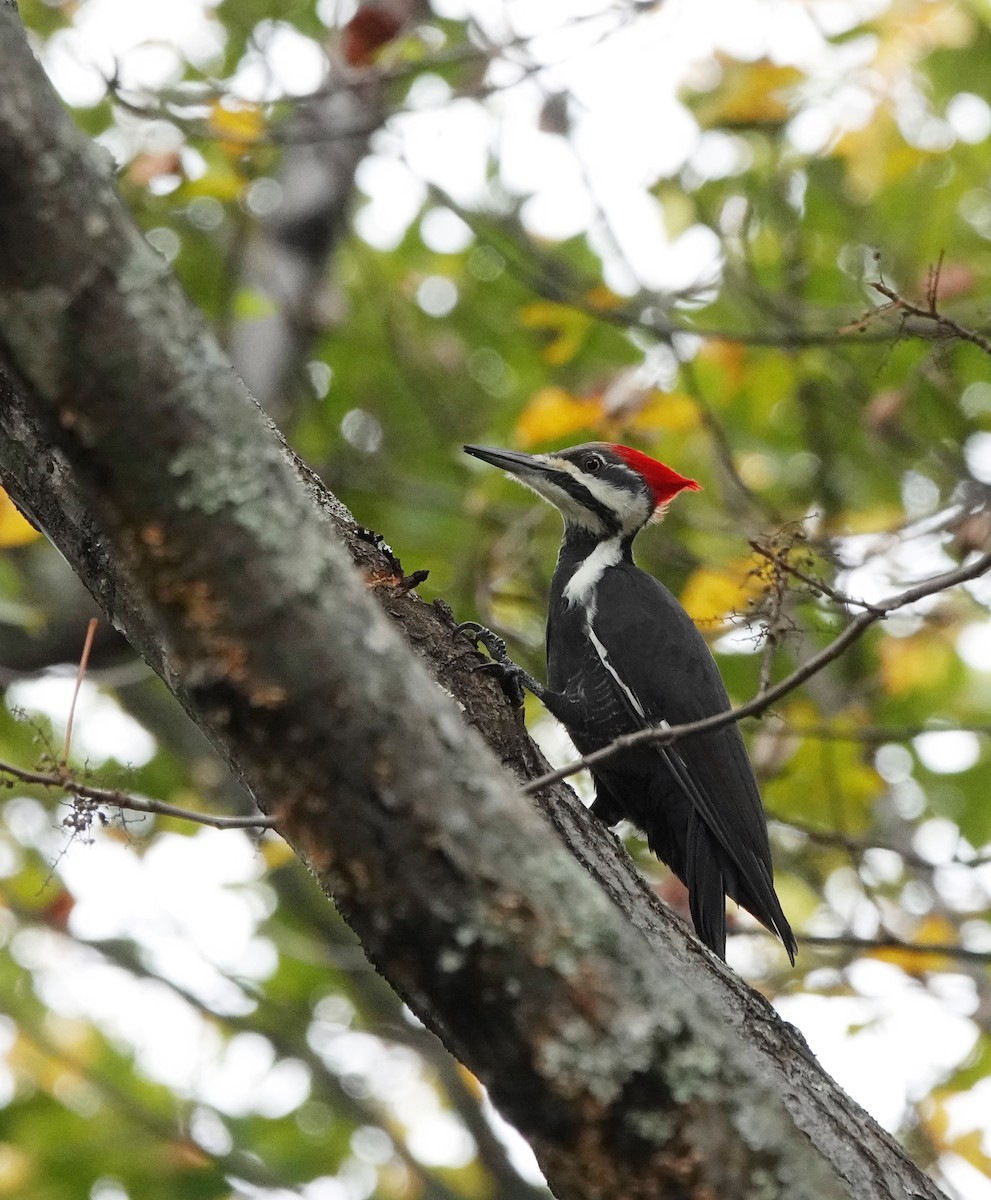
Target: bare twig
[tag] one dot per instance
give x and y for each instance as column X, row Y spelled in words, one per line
column 80, row 674
column 722, row 444
column 545, row 275
column 664, row 735
column 875, row 735
column 857, row 847
column 944, row 326
column 771, row 641
column 845, row 941
column 818, row 586
column 923, row 949
column 122, row 800
column 777, row 624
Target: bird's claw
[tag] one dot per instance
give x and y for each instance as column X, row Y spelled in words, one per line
column 507, row 672
column 479, row 635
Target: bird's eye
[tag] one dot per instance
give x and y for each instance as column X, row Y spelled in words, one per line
column 591, row 464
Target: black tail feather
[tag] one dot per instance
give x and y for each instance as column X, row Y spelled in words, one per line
column 766, row 907
column 706, row 885
column 743, row 872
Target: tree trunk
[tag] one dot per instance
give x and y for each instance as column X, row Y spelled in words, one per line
column 635, row 1063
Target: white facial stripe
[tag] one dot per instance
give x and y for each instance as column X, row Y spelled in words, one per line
column 581, row 586
column 632, row 509
column 561, row 464
column 572, row 510
column 600, row 650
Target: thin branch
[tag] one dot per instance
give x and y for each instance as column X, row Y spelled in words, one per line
column 818, row 586
column 945, row 326
column 285, row 133
column 876, row 735
column 722, row 444
column 664, row 735
column 168, row 102
column 122, row 800
column 546, row 276
column 925, row 949
column 80, row 674
column 653, row 314
column 857, row 847
column 776, row 623
column 345, row 79
column 777, row 626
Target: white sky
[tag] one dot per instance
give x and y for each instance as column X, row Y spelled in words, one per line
column 628, row 127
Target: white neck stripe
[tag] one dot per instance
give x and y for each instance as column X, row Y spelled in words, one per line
column 580, row 588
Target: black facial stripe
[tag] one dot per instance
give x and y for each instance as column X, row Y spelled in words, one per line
column 578, row 491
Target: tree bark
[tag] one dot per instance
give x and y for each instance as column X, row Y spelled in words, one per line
column 635, row 1063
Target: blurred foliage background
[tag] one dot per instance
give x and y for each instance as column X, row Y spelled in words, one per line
column 531, row 225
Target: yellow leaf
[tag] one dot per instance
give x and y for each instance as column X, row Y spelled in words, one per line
column 667, row 412
column 276, row 853
column 910, row 30
column 722, row 370
column 936, row 1117
column 73, row 1037
column 712, row 594
column 781, row 738
column 730, row 358
column 758, row 471
column 879, row 519
column 933, row 931
column 877, row 155
column 16, row 1168
column 237, row 128
column 568, row 324
column 554, row 413
column 677, row 210
column 920, row 661
column 771, row 377
column 34, row 1062
column 970, row 1146
column 754, row 93
column 222, row 181
column 602, row 298
column 15, row 530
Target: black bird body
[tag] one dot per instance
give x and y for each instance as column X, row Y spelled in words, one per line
column 622, row 655
column 714, row 836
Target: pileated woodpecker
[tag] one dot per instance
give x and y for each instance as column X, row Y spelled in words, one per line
column 622, row 654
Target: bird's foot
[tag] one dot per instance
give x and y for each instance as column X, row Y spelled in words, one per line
column 515, row 681
column 496, row 646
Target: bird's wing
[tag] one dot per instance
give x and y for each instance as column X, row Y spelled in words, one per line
column 663, row 670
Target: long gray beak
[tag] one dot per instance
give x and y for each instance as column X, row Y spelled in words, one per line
column 508, row 460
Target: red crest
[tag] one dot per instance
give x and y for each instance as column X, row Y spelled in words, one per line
column 662, row 481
